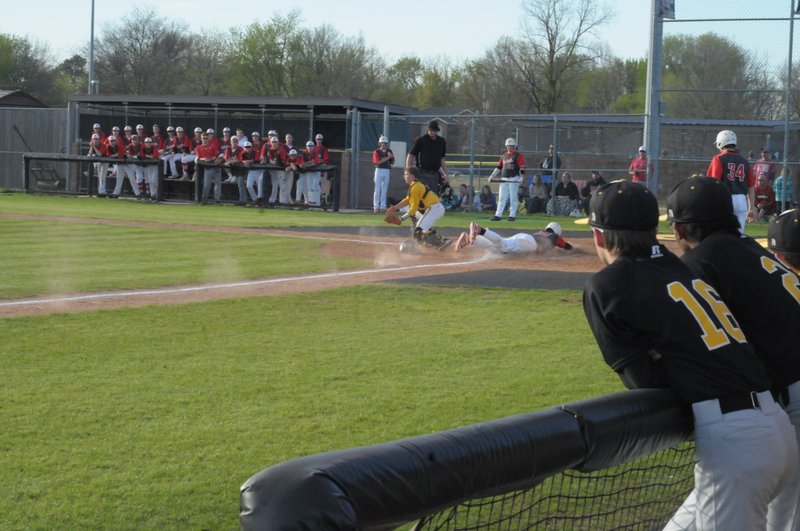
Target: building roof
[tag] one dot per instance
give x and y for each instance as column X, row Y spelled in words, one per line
column 320, row 105
column 17, row 98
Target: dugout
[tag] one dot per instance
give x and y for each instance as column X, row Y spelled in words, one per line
column 335, row 118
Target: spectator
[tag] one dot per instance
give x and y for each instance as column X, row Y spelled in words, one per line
column 784, row 200
column 783, row 238
column 446, row 197
column 765, row 198
column 464, row 198
column 487, row 199
column 538, row 194
column 549, row 165
column 382, row 158
column 508, row 173
column 638, row 167
column 735, row 172
column 539, row 241
column 590, row 188
column 765, row 166
column 565, row 197
column 428, row 154
column 522, row 197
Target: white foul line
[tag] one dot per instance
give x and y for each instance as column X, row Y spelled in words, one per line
column 141, row 293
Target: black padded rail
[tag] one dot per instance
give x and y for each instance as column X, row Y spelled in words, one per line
column 386, row 485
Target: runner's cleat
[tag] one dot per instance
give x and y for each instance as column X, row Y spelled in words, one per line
column 474, row 231
column 462, row 241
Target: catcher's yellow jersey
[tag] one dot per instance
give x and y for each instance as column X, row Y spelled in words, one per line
column 420, row 197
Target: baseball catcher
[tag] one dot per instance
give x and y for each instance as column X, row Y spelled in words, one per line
column 424, row 209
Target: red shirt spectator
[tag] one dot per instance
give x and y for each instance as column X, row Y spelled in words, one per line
column 638, row 167
column 765, row 198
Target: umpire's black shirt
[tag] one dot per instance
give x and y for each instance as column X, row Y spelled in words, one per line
column 429, row 152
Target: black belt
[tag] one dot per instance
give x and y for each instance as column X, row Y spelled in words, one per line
column 731, row 403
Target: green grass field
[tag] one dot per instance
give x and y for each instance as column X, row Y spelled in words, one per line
column 151, row 418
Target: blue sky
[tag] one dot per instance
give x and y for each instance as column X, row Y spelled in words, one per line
column 459, row 29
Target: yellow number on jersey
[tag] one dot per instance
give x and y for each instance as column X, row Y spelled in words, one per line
column 713, row 336
column 790, row 281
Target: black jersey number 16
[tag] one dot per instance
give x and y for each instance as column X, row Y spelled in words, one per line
column 717, row 330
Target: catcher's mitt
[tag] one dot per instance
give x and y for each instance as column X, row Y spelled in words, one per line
column 393, row 218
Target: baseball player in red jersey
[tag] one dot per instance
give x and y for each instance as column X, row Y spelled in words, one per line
column 281, row 187
column 382, row 158
column 760, row 291
column 658, row 324
column 321, row 156
column 509, row 171
column 98, row 130
column 187, row 161
column 232, row 154
column 150, row 152
column 733, row 169
column 783, row 238
column 115, row 149
column 207, row 152
column 98, row 148
column 255, row 177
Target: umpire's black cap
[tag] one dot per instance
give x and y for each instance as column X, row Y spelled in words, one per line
column 784, row 232
column 623, row 205
column 433, row 125
column 699, row 199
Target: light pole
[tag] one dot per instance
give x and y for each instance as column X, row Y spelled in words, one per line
column 90, row 88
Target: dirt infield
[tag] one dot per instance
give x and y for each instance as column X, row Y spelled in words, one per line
column 555, row 269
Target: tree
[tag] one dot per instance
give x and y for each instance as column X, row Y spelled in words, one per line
column 711, row 77
column 26, row 66
column 331, row 65
column 557, row 48
column 143, row 54
column 439, row 81
column 262, row 56
column 72, row 75
column 208, row 65
column 401, row 81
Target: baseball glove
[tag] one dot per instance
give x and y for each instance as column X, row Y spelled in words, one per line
column 393, row 218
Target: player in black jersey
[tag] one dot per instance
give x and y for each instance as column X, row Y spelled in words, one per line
column 659, row 325
column 762, row 293
column 783, row 238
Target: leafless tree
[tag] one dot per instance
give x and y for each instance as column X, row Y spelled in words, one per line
column 558, row 46
column 142, row 54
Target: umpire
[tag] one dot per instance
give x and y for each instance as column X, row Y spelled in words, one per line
column 427, row 154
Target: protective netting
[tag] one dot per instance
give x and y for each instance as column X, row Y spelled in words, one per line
column 638, row 495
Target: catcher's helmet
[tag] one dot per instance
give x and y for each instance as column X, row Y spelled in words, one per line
column 555, row 227
column 511, row 142
column 725, row 137
column 383, row 140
